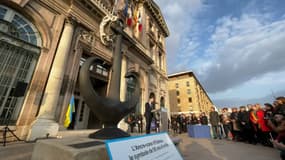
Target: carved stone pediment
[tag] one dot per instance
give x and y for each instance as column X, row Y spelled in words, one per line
column 88, row 36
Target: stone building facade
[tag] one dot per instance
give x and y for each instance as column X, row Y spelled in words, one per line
column 43, row 43
column 187, row 95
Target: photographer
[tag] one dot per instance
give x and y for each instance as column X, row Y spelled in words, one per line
column 279, row 104
column 268, row 114
column 277, row 124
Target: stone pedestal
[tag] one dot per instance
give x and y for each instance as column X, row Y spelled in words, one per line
column 70, row 149
column 43, row 128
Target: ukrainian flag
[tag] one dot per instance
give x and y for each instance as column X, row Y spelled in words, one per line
column 70, row 110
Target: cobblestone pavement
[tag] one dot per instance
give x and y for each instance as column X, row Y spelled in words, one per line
column 191, row 149
column 205, row 149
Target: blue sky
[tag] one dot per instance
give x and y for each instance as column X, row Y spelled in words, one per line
column 235, row 47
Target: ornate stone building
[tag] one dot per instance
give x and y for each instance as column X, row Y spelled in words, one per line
column 187, row 95
column 43, row 43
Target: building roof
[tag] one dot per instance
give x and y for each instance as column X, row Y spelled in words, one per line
column 189, row 73
column 180, row 74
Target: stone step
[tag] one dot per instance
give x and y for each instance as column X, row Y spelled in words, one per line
column 76, row 133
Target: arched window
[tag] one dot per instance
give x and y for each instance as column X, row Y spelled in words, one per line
column 20, row 44
column 16, row 25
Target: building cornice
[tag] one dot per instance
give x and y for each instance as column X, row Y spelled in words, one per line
column 180, row 74
column 139, row 48
column 156, row 12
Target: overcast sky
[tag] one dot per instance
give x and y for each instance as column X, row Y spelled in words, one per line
column 235, row 47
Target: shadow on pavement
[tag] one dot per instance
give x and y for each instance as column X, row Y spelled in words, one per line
column 196, row 151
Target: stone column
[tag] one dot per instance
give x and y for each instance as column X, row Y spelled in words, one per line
column 122, row 124
column 123, row 79
column 45, row 122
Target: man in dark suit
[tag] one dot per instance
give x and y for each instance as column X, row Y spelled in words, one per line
column 215, row 120
column 149, row 106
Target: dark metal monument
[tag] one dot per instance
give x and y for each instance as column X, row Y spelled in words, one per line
column 109, row 110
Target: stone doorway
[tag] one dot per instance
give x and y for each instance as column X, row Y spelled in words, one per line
column 83, row 118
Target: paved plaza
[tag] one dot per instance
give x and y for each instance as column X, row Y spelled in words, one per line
column 205, row 149
column 191, row 149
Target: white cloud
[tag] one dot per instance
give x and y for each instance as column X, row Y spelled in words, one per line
column 189, row 48
column 257, row 90
column 179, row 16
column 245, row 48
column 231, row 54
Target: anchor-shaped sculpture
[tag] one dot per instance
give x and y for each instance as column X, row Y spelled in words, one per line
column 109, row 110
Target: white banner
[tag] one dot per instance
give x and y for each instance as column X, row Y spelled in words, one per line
column 148, row 147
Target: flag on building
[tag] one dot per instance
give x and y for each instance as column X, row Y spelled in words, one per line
column 126, row 8
column 69, row 112
column 140, row 22
column 135, row 16
column 129, row 17
column 128, row 13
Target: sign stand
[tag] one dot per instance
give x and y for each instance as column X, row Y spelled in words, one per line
column 152, row 146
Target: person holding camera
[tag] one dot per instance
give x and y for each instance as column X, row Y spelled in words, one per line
column 279, row 104
column 277, row 124
column 268, row 114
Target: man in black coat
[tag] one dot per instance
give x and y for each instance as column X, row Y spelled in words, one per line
column 149, row 106
column 243, row 118
column 203, row 119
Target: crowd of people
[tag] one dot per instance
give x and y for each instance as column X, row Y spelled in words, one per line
column 251, row 124
column 179, row 122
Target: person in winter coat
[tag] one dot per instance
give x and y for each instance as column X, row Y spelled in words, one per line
column 203, row 119
column 245, row 126
column 263, row 129
column 215, row 120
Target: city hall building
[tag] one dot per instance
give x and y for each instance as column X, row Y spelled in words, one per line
column 187, row 95
column 43, row 43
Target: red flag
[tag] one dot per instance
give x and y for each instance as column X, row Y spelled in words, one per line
column 140, row 22
column 129, row 17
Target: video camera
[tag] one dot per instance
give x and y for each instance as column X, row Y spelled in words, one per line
column 268, row 115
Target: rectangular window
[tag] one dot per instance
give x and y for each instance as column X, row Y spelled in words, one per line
column 187, row 83
column 177, row 86
column 160, row 60
column 177, row 93
column 2, row 12
column 178, row 101
column 188, row 91
column 190, row 100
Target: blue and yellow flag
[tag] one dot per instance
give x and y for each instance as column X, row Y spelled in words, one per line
column 70, row 110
